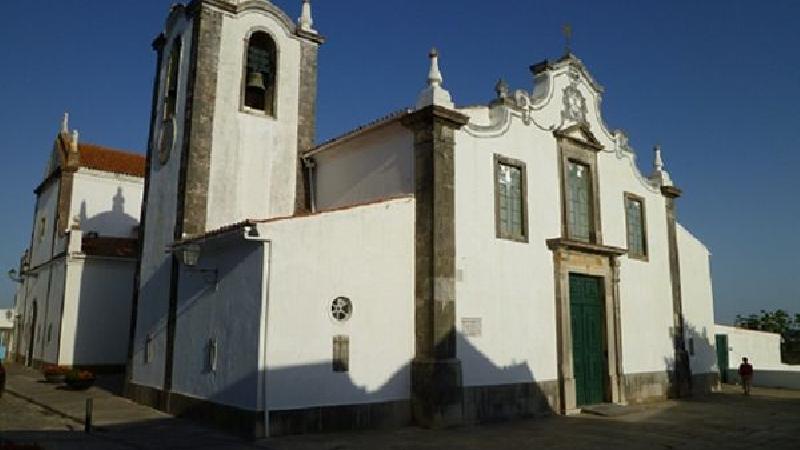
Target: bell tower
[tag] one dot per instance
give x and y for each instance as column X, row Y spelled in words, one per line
column 234, row 106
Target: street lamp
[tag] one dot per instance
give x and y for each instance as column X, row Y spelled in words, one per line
column 190, row 254
column 12, row 274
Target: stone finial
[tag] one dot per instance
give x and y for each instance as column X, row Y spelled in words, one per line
column 74, row 141
column 434, row 75
column 502, row 89
column 658, row 163
column 306, row 21
column 65, row 123
column 660, row 174
column 434, row 93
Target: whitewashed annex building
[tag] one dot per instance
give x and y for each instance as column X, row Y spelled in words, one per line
column 73, row 300
column 441, row 265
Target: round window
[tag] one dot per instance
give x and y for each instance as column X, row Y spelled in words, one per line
column 341, row 309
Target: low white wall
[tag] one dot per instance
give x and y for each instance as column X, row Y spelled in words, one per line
column 364, row 253
column 761, row 348
column 786, row 377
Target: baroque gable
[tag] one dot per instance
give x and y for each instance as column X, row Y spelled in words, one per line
column 565, row 100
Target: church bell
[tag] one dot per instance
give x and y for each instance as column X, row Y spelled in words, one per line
column 256, row 81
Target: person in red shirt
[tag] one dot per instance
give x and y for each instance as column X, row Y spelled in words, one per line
column 746, row 374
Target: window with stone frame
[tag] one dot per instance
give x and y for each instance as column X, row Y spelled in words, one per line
column 260, row 74
column 511, row 203
column 580, row 201
column 636, row 226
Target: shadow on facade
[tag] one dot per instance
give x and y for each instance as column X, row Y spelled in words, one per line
column 704, row 374
column 103, row 303
column 112, row 222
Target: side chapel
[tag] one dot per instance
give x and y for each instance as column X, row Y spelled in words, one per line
column 440, row 265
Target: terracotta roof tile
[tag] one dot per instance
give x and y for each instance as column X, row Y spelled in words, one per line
column 108, row 160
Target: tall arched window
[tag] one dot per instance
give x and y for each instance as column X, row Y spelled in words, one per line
column 173, row 70
column 260, row 73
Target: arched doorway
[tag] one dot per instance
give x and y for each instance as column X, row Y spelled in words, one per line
column 33, row 334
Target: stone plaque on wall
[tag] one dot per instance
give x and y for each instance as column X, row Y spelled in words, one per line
column 471, row 327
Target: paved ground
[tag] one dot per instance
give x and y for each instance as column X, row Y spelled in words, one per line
column 769, row 419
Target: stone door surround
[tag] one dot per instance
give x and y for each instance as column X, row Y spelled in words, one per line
column 597, row 261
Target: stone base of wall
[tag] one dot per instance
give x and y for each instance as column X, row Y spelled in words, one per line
column 705, row 383
column 646, row 387
column 242, row 422
column 482, row 404
column 509, row 401
column 325, row 419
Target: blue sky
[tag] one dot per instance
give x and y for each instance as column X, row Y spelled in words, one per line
column 716, row 83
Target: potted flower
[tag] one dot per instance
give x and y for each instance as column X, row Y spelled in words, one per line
column 54, row 373
column 79, row 379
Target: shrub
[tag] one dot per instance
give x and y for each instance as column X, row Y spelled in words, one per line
column 79, row 375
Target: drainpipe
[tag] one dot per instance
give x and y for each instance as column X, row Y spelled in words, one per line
column 250, row 233
column 310, row 164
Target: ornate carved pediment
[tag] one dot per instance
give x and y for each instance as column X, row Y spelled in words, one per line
column 574, row 110
column 579, row 134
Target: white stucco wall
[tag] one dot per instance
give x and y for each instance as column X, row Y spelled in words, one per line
column 159, row 227
column 97, row 310
column 44, row 287
column 42, row 248
column 107, row 203
column 229, row 312
column 254, row 157
column 51, row 325
column 363, row 253
column 509, row 285
column 376, row 165
column 698, row 302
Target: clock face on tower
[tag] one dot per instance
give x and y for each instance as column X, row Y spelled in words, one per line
column 166, row 140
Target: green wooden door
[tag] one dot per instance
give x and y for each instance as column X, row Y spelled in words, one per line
column 722, row 356
column 588, row 355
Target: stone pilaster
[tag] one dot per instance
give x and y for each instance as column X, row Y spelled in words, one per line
column 436, row 369
column 195, row 155
column 199, row 119
column 680, row 384
column 306, row 119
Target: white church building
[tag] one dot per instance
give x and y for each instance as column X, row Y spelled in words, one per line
column 441, row 265
column 73, row 300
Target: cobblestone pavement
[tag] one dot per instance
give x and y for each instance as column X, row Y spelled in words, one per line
column 769, row 419
column 19, row 415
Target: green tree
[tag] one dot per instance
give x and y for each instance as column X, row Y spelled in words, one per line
column 779, row 321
